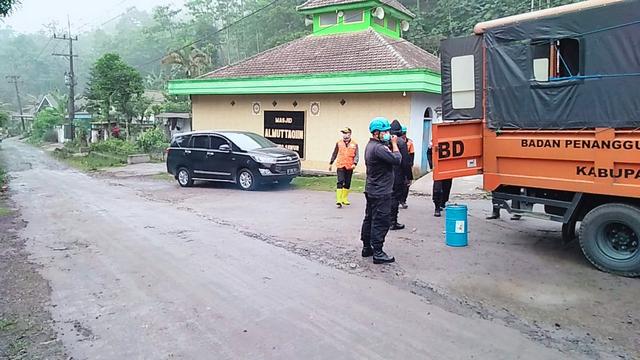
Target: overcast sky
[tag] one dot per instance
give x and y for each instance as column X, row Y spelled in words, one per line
column 31, row 15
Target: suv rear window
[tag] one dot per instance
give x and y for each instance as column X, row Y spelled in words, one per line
column 180, row 141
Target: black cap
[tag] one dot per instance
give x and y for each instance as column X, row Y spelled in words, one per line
column 396, row 128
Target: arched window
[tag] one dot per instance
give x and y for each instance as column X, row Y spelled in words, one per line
column 428, row 114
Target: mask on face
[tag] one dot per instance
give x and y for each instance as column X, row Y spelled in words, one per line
column 346, row 137
column 386, row 137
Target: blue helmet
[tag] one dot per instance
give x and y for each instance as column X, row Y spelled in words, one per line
column 404, row 129
column 379, row 124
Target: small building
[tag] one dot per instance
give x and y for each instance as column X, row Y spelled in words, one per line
column 353, row 67
column 175, row 123
column 103, row 130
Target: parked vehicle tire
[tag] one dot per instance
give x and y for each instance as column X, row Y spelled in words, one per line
column 184, row 177
column 609, row 238
column 246, row 180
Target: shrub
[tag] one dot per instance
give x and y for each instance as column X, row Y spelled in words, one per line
column 152, row 141
column 74, row 145
column 115, row 147
column 3, row 178
column 44, row 122
column 50, row 136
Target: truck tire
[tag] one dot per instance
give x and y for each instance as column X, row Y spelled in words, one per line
column 609, row 238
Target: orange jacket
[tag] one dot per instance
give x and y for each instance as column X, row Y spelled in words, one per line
column 345, row 155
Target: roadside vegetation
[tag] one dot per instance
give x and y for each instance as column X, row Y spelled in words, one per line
column 4, row 211
column 325, row 183
column 3, row 178
column 112, row 152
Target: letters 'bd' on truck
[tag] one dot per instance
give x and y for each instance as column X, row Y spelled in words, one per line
column 546, row 106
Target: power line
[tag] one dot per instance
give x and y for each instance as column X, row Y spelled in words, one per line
column 43, row 49
column 70, row 77
column 226, row 27
column 255, row 12
column 111, row 19
column 13, row 79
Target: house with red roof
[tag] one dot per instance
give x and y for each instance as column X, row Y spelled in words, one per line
column 354, row 66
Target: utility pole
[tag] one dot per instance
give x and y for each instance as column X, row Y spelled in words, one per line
column 13, row 79
column 70, row 77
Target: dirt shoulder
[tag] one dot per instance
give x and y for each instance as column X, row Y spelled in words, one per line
column 26, row 327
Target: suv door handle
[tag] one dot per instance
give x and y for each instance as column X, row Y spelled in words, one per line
column 211, row 154
column 187, row 151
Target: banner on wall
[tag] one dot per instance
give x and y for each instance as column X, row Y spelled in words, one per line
column 286, row 128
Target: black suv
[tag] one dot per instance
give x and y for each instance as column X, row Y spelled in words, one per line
column 244, row 158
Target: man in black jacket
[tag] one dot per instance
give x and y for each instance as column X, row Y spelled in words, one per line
column 380, row 161
column 402, row 174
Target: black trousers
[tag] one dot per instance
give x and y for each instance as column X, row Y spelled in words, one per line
column 396, row 198
column 441, row 192
column 405, row 194
column 344, row 178
column 377, row 221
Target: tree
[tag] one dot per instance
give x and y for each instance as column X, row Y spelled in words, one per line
column 191, row 62
column 4, row 119
column 177, row 104
column 440, row 19
column 45, row 121
column 136, row 108
column 114, row 84
column 6, row 6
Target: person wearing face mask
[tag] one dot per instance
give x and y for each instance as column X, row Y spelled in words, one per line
column 381, row 155
column 412, row 154
column 401, row 175
column 346, row 156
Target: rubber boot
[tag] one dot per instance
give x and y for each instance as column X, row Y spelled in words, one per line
column 345, row 197
column 339, row 198
column 380, row 257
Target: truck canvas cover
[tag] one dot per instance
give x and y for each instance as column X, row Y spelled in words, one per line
column 576, row 70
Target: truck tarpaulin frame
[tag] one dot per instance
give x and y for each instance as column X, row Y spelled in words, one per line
column 602, row 93
column 451, row 48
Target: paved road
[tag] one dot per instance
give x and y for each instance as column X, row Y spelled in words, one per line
column 136, row 279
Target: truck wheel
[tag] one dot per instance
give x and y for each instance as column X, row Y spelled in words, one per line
column 609, row 238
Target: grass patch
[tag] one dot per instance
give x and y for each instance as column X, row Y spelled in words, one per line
column 163, row 177
column 16, row 345
column 3, row 177
column 4, row 212
column 325, row 183
column 6, row 324
column 91, row 162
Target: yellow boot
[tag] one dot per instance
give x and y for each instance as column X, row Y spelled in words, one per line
column 339, row 198
column 345, row 197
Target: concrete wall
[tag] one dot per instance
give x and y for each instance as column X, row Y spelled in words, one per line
column 418, row 131
column 322, row 131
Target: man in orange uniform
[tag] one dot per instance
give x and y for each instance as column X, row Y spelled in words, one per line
column 346, row 156
column 412, row 155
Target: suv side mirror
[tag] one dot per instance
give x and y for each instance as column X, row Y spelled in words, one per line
column 225, row 147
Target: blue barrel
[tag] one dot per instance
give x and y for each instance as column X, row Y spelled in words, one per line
column 457, row 229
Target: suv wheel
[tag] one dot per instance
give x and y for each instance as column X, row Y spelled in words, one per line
column 184, row 177
column 246, row 180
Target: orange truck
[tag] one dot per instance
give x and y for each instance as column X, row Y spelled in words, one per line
column 546, row 106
